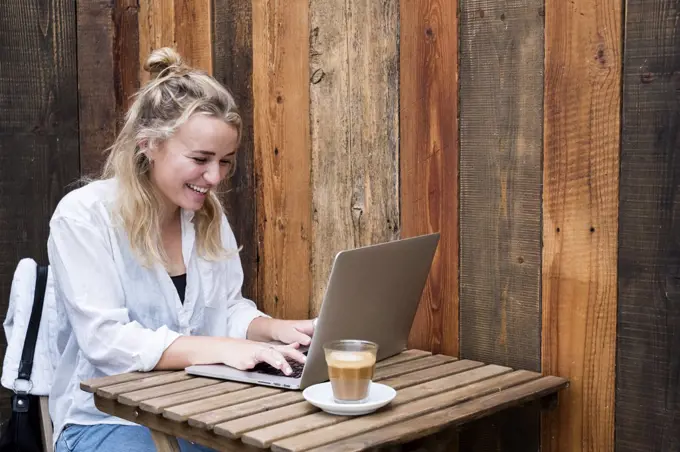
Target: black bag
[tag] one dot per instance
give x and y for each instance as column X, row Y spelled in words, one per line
column 23, row 431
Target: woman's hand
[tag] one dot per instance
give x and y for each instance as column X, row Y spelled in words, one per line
column 237, row 353
column 246, row 354
column 285, row 331
column 293, row 331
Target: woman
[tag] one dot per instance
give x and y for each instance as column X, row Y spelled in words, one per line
column 146, row 266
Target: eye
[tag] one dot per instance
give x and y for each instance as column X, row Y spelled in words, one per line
column 200, row 159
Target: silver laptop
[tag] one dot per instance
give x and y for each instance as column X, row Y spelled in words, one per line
column 372, row 294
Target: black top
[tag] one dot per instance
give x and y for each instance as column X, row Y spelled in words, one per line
column 180, row 282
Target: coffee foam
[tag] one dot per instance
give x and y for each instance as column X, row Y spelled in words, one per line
column 344, row 358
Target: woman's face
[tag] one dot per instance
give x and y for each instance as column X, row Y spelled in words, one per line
column 193, row 161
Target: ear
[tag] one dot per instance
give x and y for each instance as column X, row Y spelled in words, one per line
column 147, row 148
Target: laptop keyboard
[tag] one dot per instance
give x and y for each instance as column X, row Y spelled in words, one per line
column 266, row 368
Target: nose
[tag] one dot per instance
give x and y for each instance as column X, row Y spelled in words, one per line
column 212, row 174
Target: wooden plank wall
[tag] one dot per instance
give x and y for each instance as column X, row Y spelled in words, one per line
column 647, row 402
column 38, row 131
column 538, row 137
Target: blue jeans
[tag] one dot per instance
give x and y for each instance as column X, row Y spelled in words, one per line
column 114, row 438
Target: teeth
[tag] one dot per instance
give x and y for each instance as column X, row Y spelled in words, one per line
column 197, row 188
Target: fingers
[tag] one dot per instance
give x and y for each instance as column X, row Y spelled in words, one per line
column 300, row 337
column 275, row 358
column 305, row 327
column 293, row 353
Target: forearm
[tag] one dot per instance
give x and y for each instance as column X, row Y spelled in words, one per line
column 261, row 329
column 193, row 350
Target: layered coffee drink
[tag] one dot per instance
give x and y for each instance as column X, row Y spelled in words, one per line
column 351, row 365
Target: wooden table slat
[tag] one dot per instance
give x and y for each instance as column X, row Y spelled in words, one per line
column 209, row 419
column 135, row 397
column 114, row 391
column 466, row 381
column 433, row 422
column 158, row 404
column 93, row 384
column 181, row 413
column 408, row 355
column 422, row 401
column 236, row 428
column 410, row 366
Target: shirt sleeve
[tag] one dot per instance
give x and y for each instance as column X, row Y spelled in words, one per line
column 87, row 282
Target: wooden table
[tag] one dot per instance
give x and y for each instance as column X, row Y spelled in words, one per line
column 439, row 391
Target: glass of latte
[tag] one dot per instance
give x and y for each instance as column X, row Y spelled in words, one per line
column 351, row 364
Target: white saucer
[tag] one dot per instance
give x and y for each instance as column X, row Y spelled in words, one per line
column 321, row 396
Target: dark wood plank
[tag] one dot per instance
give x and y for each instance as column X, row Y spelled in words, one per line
column 354, row 88
column 580, row 219
column 458, row 414
column 648, row 346
column 233, row 67
column 282, row 156
column 38, row 131
column 108, row 68
column 501, row 137
column 428, row 160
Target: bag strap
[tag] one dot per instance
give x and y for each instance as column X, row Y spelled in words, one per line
column 26, row 364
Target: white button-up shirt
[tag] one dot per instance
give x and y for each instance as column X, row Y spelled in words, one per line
column 122, row 315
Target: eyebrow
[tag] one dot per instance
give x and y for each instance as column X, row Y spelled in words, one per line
column 211, row 153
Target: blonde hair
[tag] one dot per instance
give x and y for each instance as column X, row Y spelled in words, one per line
column 175, row 92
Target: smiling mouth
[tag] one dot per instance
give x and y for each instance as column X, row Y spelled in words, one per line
column 198, row 189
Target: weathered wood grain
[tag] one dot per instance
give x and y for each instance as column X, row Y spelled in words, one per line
column 108, row 69
column 233, row 67
column 580, row 219
column 38, row 132
column 282, row 156
column 501, row 138
column 428, row 161
column 193, row 37
column 156, row 29
column 648, row 346
column 354, row 93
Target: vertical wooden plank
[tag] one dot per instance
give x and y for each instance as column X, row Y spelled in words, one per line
column 233, row 67
column 428, row 132
column 354, row 129
column 501, row 138
column 282, row 155
column 580, row 220
column 156, row 29
column 648, row 346
column 38, row 131
column 107, row 74
column 193, row 38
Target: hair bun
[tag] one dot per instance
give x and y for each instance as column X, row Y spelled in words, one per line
column 162, row 59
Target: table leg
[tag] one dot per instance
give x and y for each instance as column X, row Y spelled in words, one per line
column 164, row 443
